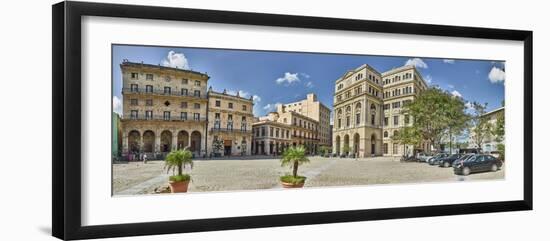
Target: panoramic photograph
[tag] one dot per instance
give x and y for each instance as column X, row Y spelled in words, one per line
column 192, row 120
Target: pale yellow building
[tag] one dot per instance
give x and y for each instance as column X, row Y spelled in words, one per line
column 357, row 113
column 164, row 108
column 368, row 110
column 313, row 108
column 230, row 121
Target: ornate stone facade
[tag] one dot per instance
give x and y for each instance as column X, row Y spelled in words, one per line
column 163, row 109
column 361, row 117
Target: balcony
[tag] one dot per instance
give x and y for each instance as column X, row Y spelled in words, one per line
column 234, row 130
column 305, row 138
column 163, row 118
column 161, row 92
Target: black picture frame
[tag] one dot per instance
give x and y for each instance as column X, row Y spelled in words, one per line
column 66, row 152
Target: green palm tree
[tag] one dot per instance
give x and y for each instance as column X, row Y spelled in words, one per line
column 177, row 160
column 294, row 157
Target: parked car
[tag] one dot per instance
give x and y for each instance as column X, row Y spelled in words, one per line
column 423, row 157
column 409, row 159
column 435, row 159
column 448, row 161
column 477, row 163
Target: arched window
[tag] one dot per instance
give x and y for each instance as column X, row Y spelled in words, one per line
column 385, row 134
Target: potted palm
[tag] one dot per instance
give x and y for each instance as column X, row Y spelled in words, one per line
column 178, row 160
column 217, row 145
column 294, row 157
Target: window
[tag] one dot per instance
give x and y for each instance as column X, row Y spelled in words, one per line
column 347, row 121
column 218, row 103
column 277, row 132
column 167, row 90
column 287, row 134
column 166, row 115
column 184, row 104
column 386, row 106
column 230, row 105
column 357, row 118
column 197, row 83
column 217, row 121
column 134, row 87
column 197, row 106
column 184, row 81
column 339, row 123
column 385, row 148
column 385, row 134
column 149, row 76
column 396, row 105
column 348, row 94
column 385, row 121
column 134, row 114
column 184, row 91
column 243, row 119
column 149, row 102
column 244, row 107
column 196, row 116
column 270, row 131
column 340, row 86
column 263, row 131
column 406, row 119
column 133, row 102
column 230, row 117
column 395, row 148
column 197, row 93
column 134, row 75
column 149, row 88
column 183, row 115
column 339, row 98
column 396, row 120
column 373, row 119
column 149, row 115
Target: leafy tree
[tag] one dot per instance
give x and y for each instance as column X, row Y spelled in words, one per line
column 497, row 129
column 481, row 128
column 458, row 119
column 217, row 145
column 435, row 113
column 408, row 136
column 294, row 157
column 177, row 160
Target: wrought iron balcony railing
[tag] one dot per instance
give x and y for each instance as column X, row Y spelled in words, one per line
column 161, row 92
column 215, row 129
column 164, row 118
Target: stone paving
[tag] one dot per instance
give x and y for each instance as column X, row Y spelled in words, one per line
column 263, row 173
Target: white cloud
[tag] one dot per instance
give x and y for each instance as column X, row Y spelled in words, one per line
column 496, row 75
column 256, row 98
column 428, row 79
column 456, row 93
column 417, row 62
column 175, row 60
column 117, row 105
column 309, row 84
column 271, row 107
column 451, row 86
column 449, row 61
column 305, row 75
column 288, row 79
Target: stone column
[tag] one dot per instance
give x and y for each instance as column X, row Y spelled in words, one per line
column 125, row 142
column 157, row 142
column 174, row 141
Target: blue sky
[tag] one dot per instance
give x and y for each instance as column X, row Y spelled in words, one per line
column 282, row 77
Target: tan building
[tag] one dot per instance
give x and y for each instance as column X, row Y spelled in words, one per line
column 164, row 108
column 314, row 109
column 367, row 110
column 230, row 121
column 303, row 131
column 270, row 135
column 400, row 86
